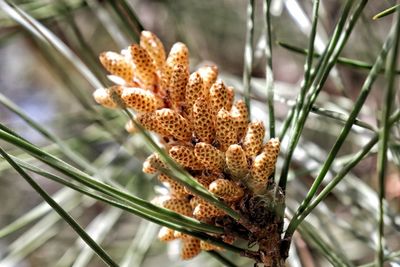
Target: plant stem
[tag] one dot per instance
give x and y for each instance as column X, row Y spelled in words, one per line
column 295, row 221
column 248, row 54
column 342, row 60
column 269, row 75
column 328, row 61
column 366, row 88
column 384, row 138
column 294, row 112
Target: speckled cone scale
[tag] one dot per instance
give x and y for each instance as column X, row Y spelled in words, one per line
column 226, row 130
column 109, row 97
column 179, row 54
column 194, row 89
column 150, row 164
column 140, row 99
column 217, row 96
column 236, row 161
column 185, row 156
column 230, row 97
column 166, row 234
column 176, row 189
column 175, row 124
column 203, row 120
column 272, row 147
column 209, row 75
column 208, row 246
column 205, row 211
column 190, row 248
column 177, row 87
column 182, row 236
column 145, row 70
column 154, row 48
column 253, row 140
column 263, row 167
column 211, row 157
column 117, row 65
column 241, row 116
column 150, row 122
column 225, row 189
column 178, row 205
column 205, row 180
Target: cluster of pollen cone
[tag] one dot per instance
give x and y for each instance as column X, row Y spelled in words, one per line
column 201, row 126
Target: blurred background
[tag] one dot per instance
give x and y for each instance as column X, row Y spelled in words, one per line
column 50, row 90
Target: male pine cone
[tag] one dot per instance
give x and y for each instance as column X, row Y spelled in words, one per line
column 201, row 126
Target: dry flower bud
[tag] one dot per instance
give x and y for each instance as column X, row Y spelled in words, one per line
column 145, row 69
column 174, row 124
column 154, row 48
column 226, row 131
column 140, row 99
column 190, row 248
column 254, row 137
column 212, row 158
column 225, row 189
column 117, row 65
column 203, row 120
